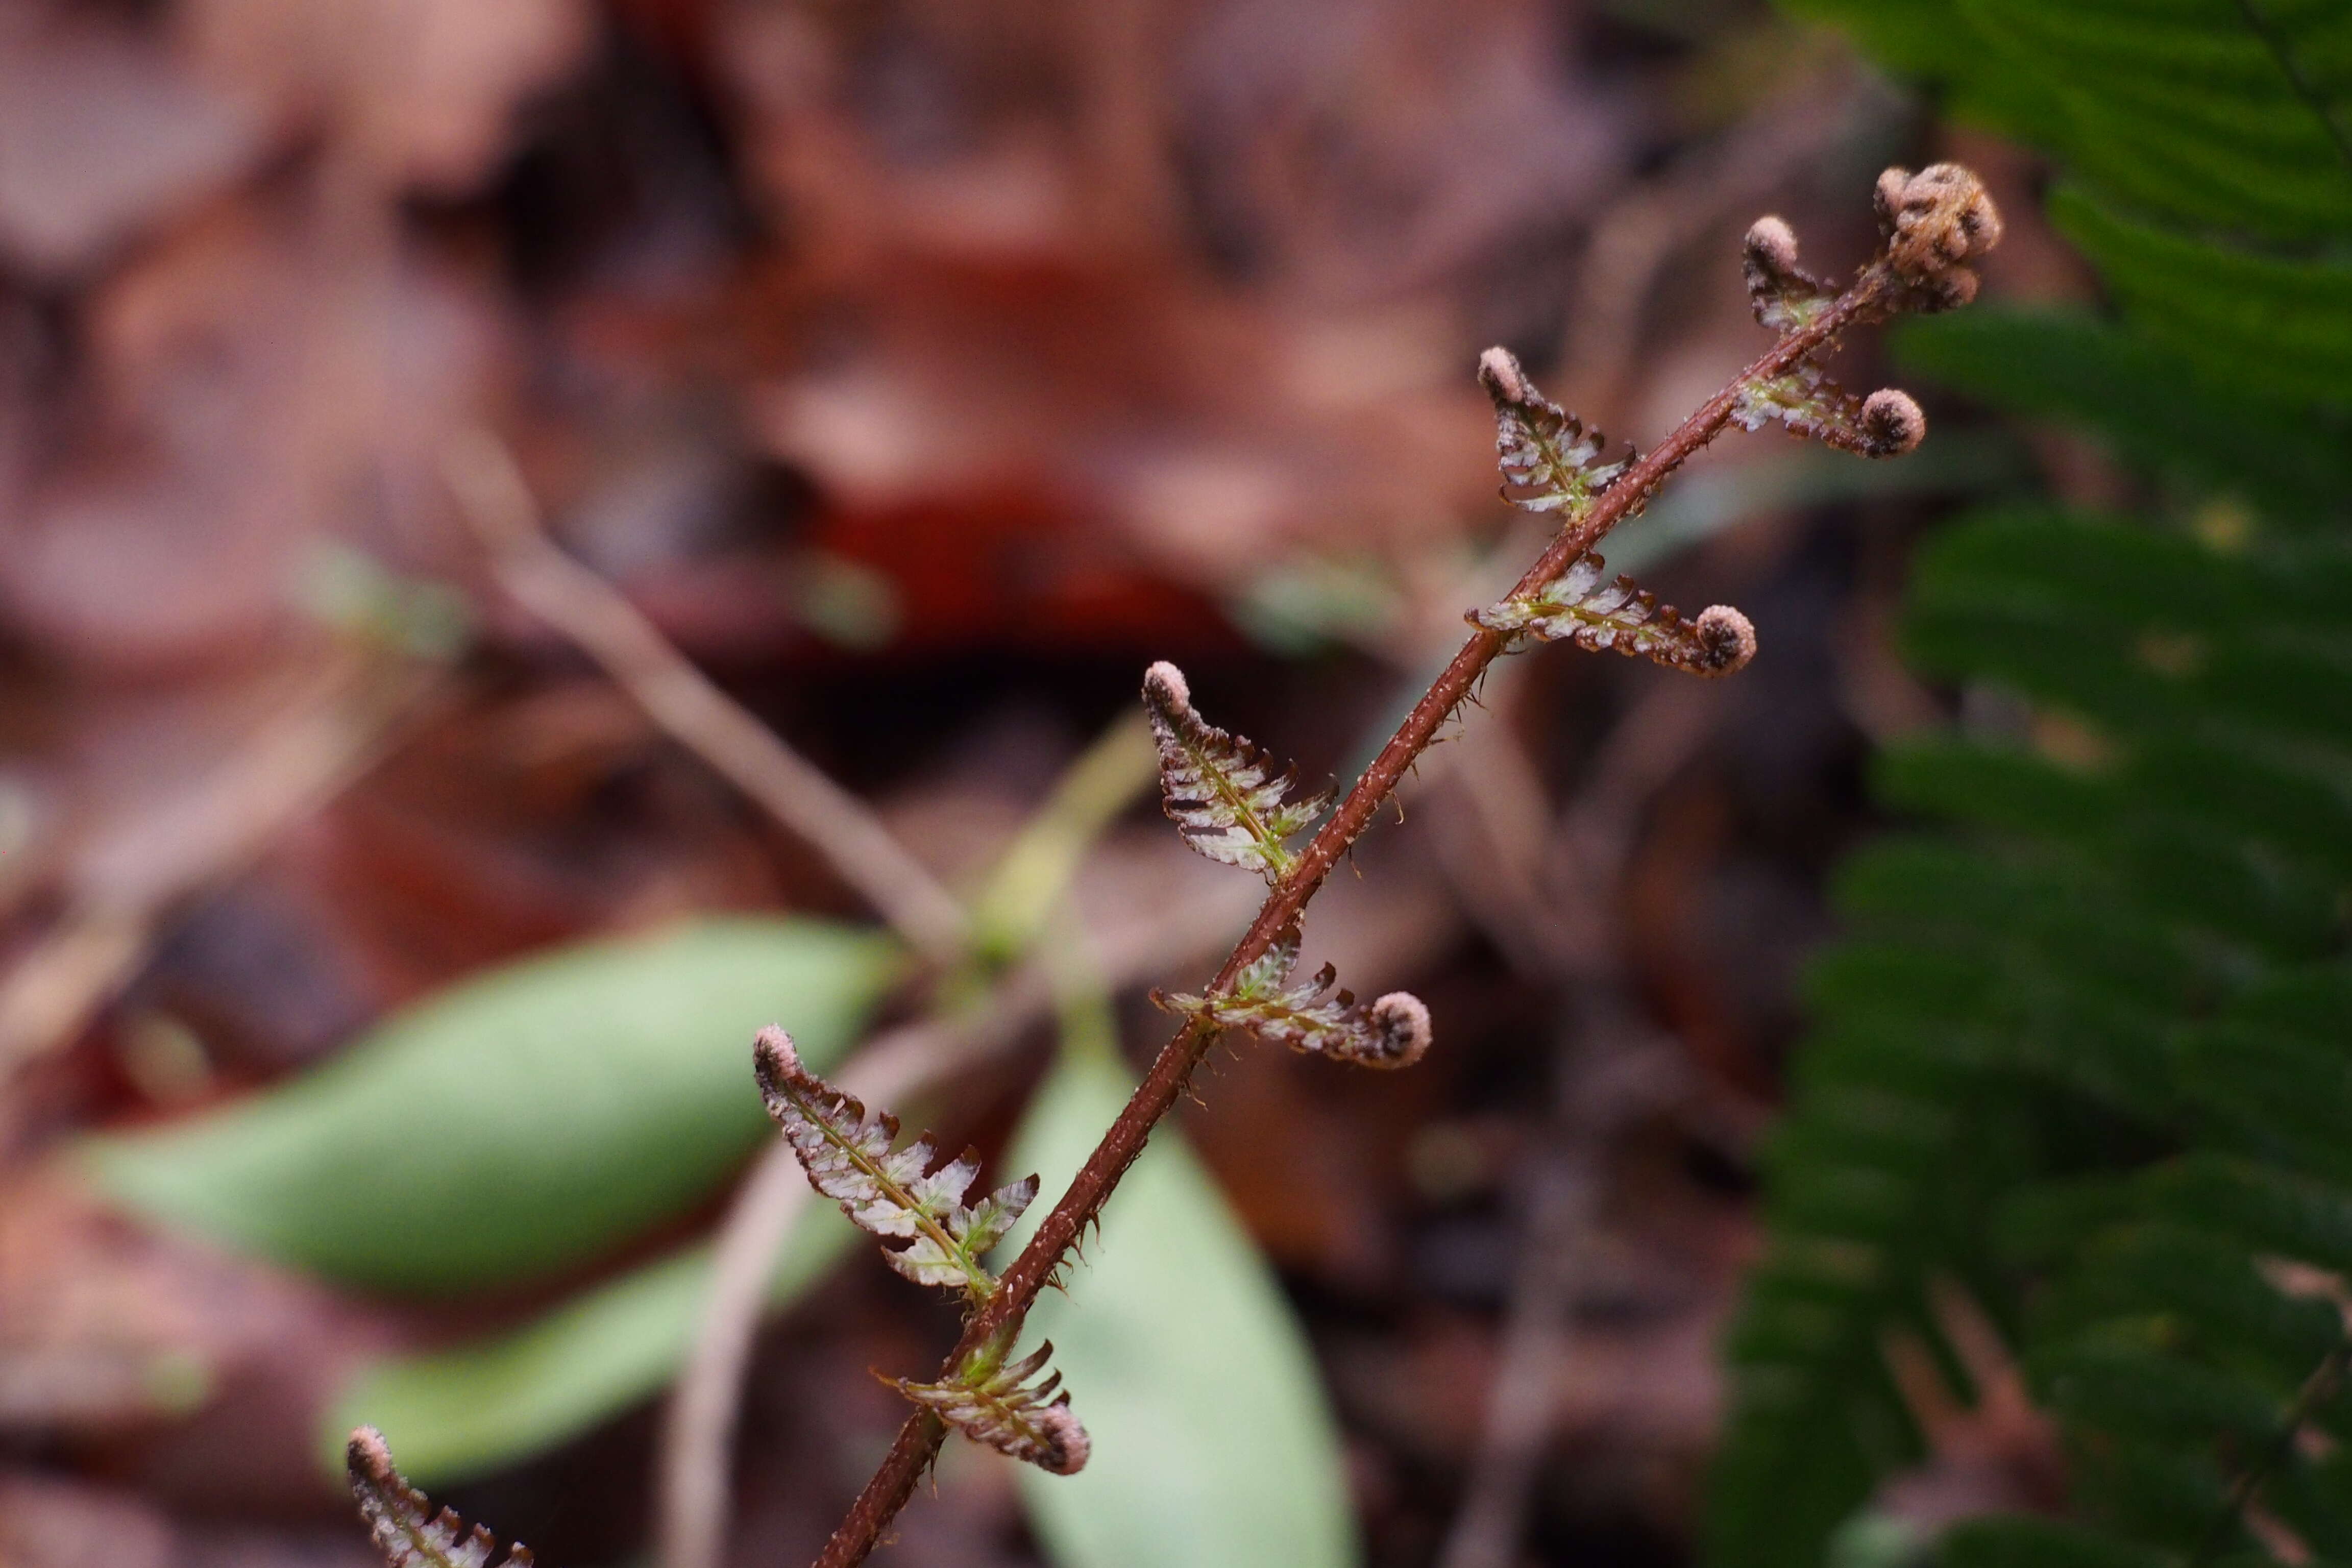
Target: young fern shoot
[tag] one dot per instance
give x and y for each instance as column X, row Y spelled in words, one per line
column 403, row 1521
column 1232, row 804
column 1393, row 1032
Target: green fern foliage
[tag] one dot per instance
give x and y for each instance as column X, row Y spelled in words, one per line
column 2086, row 1051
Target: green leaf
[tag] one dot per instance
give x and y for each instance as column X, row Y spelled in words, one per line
column 522, row 1122
column 2278, row 325
column 1212, row 1446
column 456, row 1414
column 2038, row 1543
column 2179, row 107
column 2145, row 400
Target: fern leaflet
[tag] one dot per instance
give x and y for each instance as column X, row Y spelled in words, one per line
column 892, row 1193
column 1582, row 606
column 1004, row 1410
column 401, row 1520
column 1226, row 797
column 1392, row 1032
column 1550, row 461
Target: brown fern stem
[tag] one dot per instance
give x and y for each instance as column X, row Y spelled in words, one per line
column 918, row 1439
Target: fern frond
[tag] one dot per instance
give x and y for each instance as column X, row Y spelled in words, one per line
column 1886, row 424
column 1930, row 223
column 1582, row 606
column 1392, row 1032
column 1031, row 1424
column 2089, row 1053
column 1784, row 296
column 1226, row 796
column 401, row 1520
column 1550, row 461
column 891, row 1193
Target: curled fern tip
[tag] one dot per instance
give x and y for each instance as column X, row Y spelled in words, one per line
column 1934, row 221
column 773, row 1057
column 1400, row 1024
column 1784, row 295
column 1168, row 682
column 1892, row 423
column 1499, row 373
column 1725, row 639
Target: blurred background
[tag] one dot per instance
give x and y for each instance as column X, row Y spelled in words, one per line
column 385, row 913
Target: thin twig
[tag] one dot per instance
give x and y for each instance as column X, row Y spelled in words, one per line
column 1600, row 1081
column 679, row 698
column 324, row 738
column 893, row 1483
column 698, row 1436
column 1636, row 238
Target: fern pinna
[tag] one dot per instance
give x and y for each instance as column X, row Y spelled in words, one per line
column 408, row 1532
column 1392, row 1032
column 2085, row 1059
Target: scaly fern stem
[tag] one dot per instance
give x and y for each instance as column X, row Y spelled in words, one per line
column 918, row 1439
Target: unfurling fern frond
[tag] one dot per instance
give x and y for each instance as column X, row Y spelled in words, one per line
column 1226, row 796
column 1931, row 223
column 1582, row 606
column 1392, row 1032
column 1784, row 296
column 1031, row 1424
column 1886, row 424
column 1550, row 461
column 847, row 1156
column 403, row 1521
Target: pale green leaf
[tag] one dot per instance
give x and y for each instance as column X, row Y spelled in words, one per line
column 518, row 1123
column 483, row 1405
column 1213, row 1445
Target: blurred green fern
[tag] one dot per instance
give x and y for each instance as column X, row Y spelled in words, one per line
column 2087, row 1052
